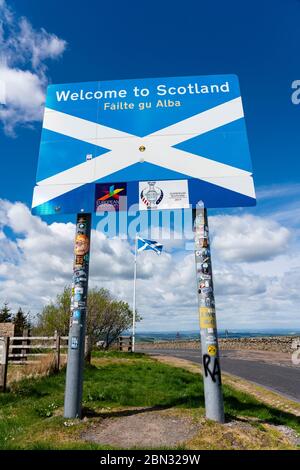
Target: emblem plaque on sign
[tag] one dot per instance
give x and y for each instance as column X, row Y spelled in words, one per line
column 152, row 195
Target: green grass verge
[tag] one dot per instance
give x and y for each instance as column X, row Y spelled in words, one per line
column 31, row 413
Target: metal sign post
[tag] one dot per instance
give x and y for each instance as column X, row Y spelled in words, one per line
column 207, row 316
column 74, row 378
column 134, row 296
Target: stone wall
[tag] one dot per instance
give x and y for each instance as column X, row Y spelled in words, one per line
column 268, row 343
column 7, row 329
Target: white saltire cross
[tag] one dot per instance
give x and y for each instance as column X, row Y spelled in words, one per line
column 124, row 150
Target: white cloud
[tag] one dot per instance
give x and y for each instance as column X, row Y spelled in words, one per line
column 232, row 280
column 24, row 97
column 271, row 192
column 36, row 263
column 248, row 238
column 37, row 45
column 23, row 55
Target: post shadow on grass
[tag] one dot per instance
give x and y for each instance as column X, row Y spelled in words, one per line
column 194, row 402
column 91, row 413
column 234, row 407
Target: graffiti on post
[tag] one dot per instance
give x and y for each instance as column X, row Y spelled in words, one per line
column 213, row 370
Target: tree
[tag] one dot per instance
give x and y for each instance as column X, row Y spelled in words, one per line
column 107, row 317
column 21, row 322
column 56, row 316
column 5, row 314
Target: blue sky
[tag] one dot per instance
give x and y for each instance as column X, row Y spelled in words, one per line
column 75, row 41
column 115, row 40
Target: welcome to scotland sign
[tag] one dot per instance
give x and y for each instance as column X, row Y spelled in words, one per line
column 143, row 133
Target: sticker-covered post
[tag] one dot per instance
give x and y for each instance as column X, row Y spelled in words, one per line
column 214, row 407
column 74, row 379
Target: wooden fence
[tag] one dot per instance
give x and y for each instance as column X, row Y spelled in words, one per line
column 20, row 350
column 125, row 343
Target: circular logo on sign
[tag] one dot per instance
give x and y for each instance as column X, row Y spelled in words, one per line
column 152, row 196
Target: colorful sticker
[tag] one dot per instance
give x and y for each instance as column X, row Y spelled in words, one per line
column 202, row 232
column 212, row 350
column 79, row 261
column 82, row 244
column 108, row 196
column 211, row 339
column 76, row 314
column 205, row 277
column 74, row 342
column 199, row 220
column 201, row 242
column 207, row 317
column 80, row 280
column 209, row 302
column 78, row 290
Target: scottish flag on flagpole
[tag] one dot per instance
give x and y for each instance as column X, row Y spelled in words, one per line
column 143, row 244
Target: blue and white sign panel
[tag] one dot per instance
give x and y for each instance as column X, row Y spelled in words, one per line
column 144, row 133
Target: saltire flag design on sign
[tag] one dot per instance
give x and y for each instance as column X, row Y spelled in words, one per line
column 180, row 128
column 144, row 244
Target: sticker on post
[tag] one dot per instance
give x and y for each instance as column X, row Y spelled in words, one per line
column 76, row 315
column 211, row 339
column 207, row 317
column 212, row 350
column 82, row 245
column 74, row 342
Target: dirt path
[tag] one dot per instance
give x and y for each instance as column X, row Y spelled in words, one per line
column 142, row 428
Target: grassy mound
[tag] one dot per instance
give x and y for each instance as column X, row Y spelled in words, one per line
column 31, row 414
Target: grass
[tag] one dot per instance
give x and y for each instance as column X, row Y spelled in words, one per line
column 43, row 366
column 31, row 413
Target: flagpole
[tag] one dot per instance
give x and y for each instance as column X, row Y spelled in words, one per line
column 134, row 295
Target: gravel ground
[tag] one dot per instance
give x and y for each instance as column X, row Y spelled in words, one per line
column 142, row 429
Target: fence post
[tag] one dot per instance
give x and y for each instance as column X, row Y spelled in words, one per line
column 57, row 351
column 4, row 351
column 25, row 343
column 87, row 349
